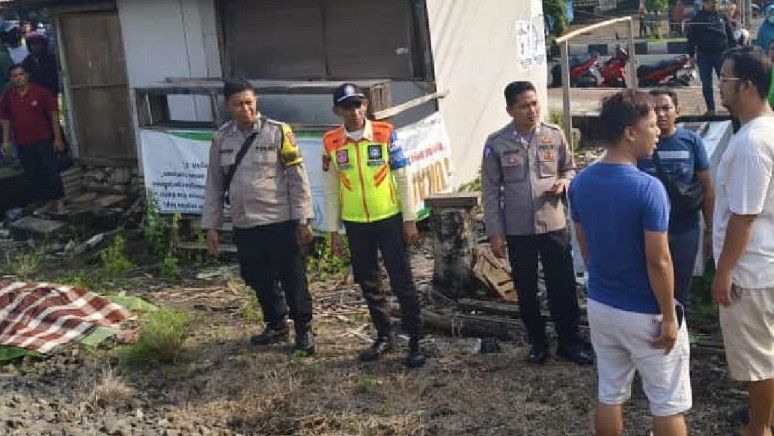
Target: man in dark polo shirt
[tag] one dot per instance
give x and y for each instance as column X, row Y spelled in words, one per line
column 30, row 112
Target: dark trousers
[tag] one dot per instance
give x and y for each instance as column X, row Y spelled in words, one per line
column 385, row 236
column 707, row 63
column 270, row 251
column 41, row 172
column 554, row 251
column 683, row 245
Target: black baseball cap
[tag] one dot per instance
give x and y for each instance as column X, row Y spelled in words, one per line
column 346, row 92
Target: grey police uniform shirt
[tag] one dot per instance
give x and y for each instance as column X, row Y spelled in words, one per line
column 517, row 172
column 270, row 185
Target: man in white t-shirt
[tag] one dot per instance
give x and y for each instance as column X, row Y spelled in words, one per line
column 743, row 236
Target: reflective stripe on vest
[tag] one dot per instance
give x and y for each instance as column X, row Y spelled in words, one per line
column 366, row 187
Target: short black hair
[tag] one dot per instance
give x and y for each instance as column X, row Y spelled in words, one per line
column 752, row 65
column 515, row 89
column 657, row 92
column 13, row 67
column 622, row 110
column 235, row 86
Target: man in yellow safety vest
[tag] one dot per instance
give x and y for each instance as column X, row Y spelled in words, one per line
column 368, row 189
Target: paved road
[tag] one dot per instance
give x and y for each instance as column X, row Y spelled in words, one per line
column 585, row 101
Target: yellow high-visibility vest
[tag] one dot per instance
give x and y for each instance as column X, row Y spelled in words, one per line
column 367, row 190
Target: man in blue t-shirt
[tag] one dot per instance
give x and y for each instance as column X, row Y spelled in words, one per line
column 621, row 219
column 684, row 162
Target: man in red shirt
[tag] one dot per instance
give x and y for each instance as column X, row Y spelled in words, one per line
column 30, row 112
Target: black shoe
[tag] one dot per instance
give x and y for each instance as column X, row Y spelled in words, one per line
column 577, row 353
column 415, row 357
column 272, row 334
column 382, row 345
column 538, row 354
column 304, row 340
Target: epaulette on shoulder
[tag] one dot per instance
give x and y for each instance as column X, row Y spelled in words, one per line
column 224, row 127
column 274, row 122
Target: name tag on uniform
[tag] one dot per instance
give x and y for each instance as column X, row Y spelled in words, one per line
column 511, row 158
column 674, row 154
column 544, row 139
column 546, row 155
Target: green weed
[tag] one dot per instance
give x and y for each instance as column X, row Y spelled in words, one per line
column 114, row 261
column 322, row 263
column 24, row 265
column 365, row 383
column 162, row 338
column 170, row 268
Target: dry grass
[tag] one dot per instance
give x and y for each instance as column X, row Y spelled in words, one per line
column 111, row 391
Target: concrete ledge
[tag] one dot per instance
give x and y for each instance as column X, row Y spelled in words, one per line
column 640, row 48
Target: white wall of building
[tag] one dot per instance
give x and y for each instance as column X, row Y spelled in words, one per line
column 171, row 38
column 476, row 53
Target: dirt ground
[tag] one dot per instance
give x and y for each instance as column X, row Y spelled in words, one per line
column 226, row 386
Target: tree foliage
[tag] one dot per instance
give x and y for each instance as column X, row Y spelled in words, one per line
column 556, row 16
column 658, row 6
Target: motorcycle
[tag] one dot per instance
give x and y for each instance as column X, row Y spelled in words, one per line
column 671, row 72
column 580, row 71
column 613, row 70
column 585, row 71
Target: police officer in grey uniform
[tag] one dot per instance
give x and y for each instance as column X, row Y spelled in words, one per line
column 271, row 209
column 526, row 169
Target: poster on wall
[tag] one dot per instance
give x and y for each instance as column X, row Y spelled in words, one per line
column 175, row 164
column 531, row 42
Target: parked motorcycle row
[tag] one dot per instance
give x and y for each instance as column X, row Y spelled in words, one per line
column 586, row 72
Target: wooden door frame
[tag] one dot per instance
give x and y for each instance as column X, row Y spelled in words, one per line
column 71, row 119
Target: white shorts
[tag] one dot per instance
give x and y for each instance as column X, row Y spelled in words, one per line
column 748, row 334
column 622, row 344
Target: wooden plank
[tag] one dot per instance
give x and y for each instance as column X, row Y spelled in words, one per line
column 568, row 36
column 493, row 273
column 204, row 86
column 35, row 227
column 379, row 52
column 453, row 199
column 395, row 110
column 110, row 200
column 510, row 310
column 457, row 324
column 301, row 36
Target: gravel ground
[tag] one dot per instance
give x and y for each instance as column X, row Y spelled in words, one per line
column 225, row 386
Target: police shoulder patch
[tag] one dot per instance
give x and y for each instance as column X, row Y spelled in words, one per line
column 291, row 155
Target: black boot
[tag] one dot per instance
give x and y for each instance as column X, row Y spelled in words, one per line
column 382, row 345
column 272, row 334
column 304, row 340
column 415, row 357
column 577, row 353
column 538, row 354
